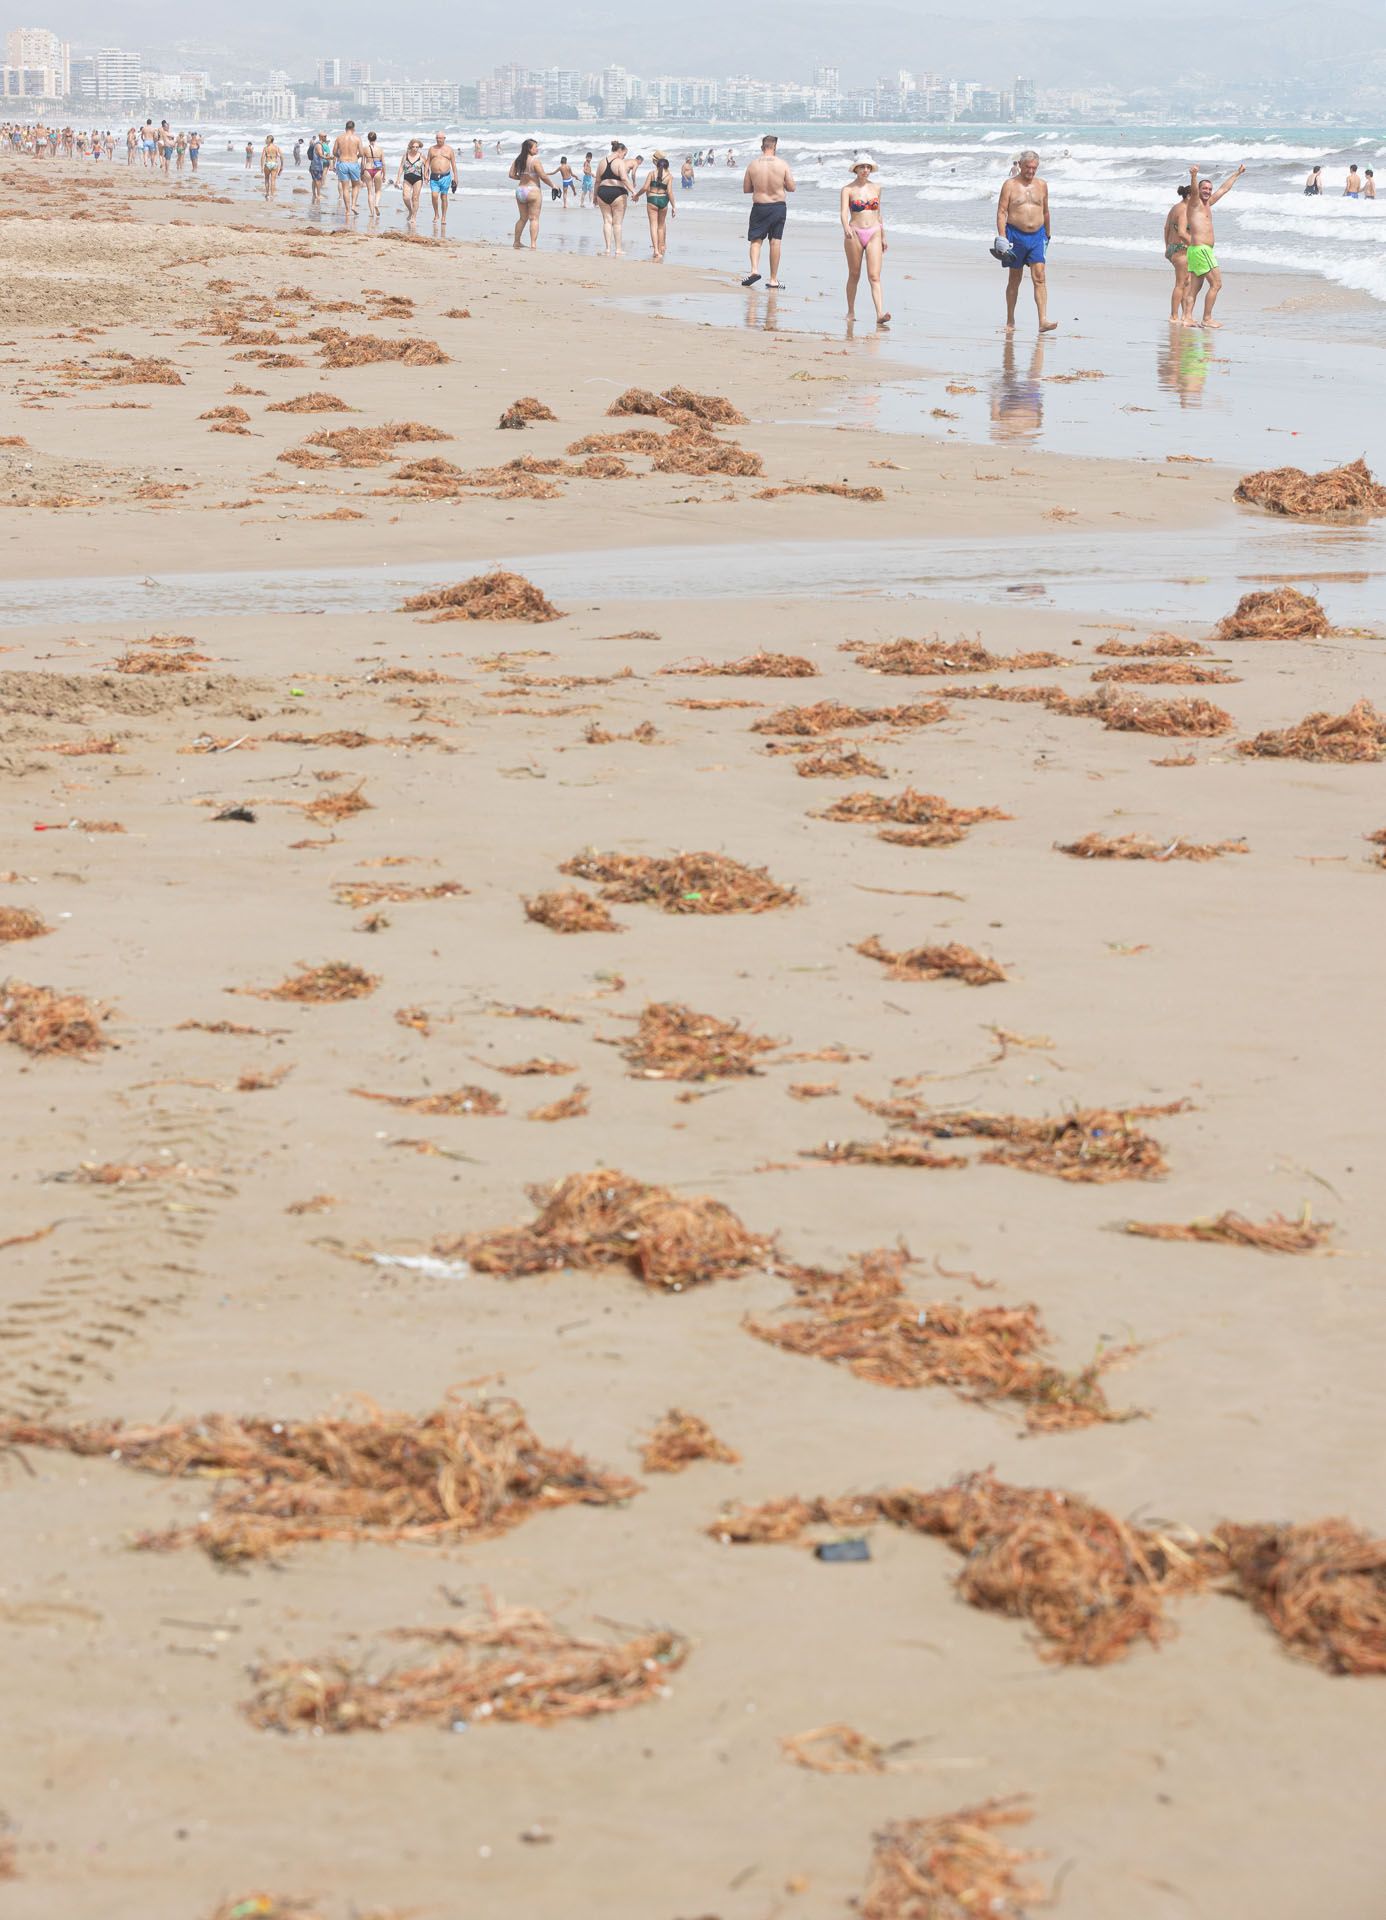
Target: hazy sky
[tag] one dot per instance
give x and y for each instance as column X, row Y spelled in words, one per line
column 1067, row 42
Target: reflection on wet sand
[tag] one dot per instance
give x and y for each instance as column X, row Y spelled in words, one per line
column 1181, row 365
column 767, row 321
column 1017, row 400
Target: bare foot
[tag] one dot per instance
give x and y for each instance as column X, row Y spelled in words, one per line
column 1048, row 326
column 1010, row 326
column 1212, row 323
column 883, row 320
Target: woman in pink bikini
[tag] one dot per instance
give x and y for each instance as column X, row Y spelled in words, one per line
column 863, row 236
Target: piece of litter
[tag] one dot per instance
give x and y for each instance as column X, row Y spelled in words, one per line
column 426, row 1263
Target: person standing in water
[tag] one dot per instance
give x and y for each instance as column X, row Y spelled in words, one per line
column 1022, row 222
column 409, row 179
column 1204, row 273
column 863, row 236
column 527, row 171
column 271, row 165
column 1314, row 184
column 613, row 187
column 1369, row 185
column 1177, row 251
column 767, row 179
column 1352, row 186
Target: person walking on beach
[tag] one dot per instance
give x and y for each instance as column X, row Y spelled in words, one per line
column 194, row 150
column 1022, row 223
column 271, row 165
column 1177, row 251
column 527, row 171
column 1204, row 274
column 658, row 192
column 409, row 179
column 863, row 236
column 567, row 181
column 613, row 188
column 317, row 167
column 249, row 155
column 442, row 178
column 588, row 182
column 767, row 179
column 373, row 173
column 346, row 158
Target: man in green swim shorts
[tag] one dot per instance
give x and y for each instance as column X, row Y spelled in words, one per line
column 1204, row 275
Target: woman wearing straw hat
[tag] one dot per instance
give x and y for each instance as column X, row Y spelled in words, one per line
column 863, row 235
column 658, row 193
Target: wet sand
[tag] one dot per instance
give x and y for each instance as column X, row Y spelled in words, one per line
column 1214, row 1774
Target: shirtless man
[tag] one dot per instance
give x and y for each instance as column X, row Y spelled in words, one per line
column 1352, row 186
column 767, row 180
column 442, row 177
column 1022, row 222
column 1204, row 275
column 346, row 158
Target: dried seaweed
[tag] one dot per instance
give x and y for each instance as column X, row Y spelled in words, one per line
column 572, row 1106
column 893, row 1152
column 1321, row 1587
column 1284, row 614
column 1087, row 1583
column 42, row 1021
column 317, row 402
column 1159, row 646
column 837, row 760
column 1172, row 673
column 943, row 656
column 332, row 807
column 826, row 716
column 1339, row 491
column 861, row 1319
column 836, row 1748
column 1276, row 1235
column 336, row 980
column 486, row 596
column 539, row 1063
column 837, row 489
column 951, row 1867
column 951, row 962
column 145, row 662
column 516, row 1665
column 1184, row 719
column 1356, row 736
column 683, row 882
column 1144, row 846
column 520, row 412
column 678, row 1440
column 570, row 910
column 672, row 1042
column 373, row 893
column 458, row 1100
column 1086, row 1144
column 644, row 735
column 630, row 440
column 775, row 666
column 680, row 405
column 20, row 923
column 606, row 1219
column 343, row 349
column 699, row 456
column 464, row 1471
column 930, row 818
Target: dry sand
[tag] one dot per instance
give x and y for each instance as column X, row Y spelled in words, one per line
column 1214, row 1775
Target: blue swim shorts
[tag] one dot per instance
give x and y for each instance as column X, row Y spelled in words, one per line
column 440, row 183
column 1027, row 248
column 349, row 170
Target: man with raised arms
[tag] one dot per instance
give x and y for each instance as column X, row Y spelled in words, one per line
column 1022, row 225
column 1204, row 275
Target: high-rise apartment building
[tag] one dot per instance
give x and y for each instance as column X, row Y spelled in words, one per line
column 43, row 57
column 329, row 74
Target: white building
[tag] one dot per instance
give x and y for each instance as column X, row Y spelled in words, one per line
column 35, row 50
column 112, row 77
column 278, row 105
column 329, row 74
column 408, row 101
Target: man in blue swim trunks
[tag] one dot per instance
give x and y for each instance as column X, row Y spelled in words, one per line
column 442, row 177
column 1022, row 225
column 346, row 157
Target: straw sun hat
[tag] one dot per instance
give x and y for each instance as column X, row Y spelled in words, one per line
column 863, row 160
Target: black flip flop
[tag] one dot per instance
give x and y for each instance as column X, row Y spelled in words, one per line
column 750, row 280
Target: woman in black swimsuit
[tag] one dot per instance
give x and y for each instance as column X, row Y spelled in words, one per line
column 613, row 196
column 409, row 178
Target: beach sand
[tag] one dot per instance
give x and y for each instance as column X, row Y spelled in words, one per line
column 1212, row 1774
